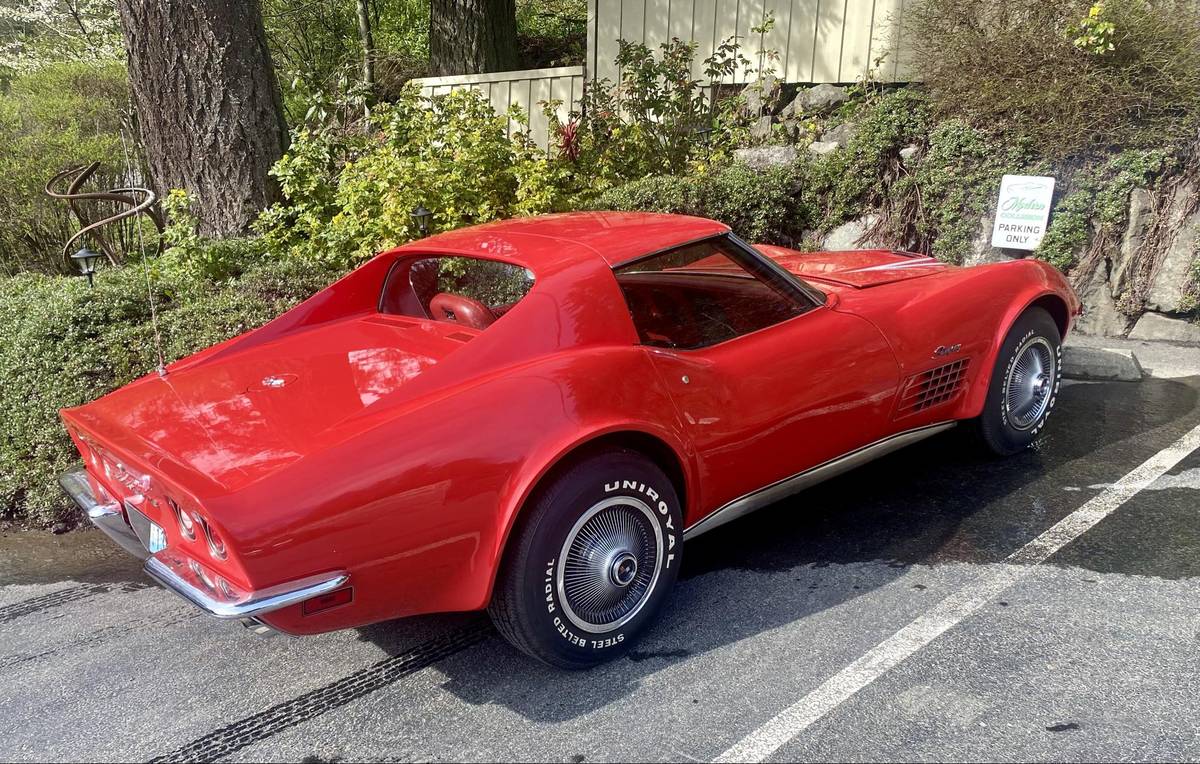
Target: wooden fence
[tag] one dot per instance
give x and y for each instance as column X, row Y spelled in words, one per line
column 527, row 89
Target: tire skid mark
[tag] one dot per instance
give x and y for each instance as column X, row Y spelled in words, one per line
column 266, row 724
column 63, row 597
column 105, row 634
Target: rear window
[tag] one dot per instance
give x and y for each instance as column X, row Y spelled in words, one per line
column 468, row 291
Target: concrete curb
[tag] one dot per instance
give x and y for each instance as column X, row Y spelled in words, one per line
column 1102, row 364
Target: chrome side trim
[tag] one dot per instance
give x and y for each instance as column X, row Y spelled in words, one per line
column 810, row 477
column 255, row 603
column 104, row 512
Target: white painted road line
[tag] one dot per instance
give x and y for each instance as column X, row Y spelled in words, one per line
column 770, row 737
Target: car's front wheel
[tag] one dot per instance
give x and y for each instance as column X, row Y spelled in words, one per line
column 1024, row 384
column 591, row 561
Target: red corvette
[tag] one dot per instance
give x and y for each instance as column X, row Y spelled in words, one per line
column 531, row 417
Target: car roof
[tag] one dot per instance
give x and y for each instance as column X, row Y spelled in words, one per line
column 536, row 242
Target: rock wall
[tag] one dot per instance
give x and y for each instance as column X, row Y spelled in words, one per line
column 1151, row 272
column 1141, row 285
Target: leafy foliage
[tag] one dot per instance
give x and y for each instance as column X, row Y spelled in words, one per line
column 1070, row 75
column 66, row 343
column 1094, row 33
column 192, row 259
column 657, row 119
column 551, row 32
column 937, row 205
column 1097, row 204
column 317, row 53
column 34, row 33
column 52, row 118
column 1191, row 293
column 759, row 206
column 843, row 183
column 350, row 195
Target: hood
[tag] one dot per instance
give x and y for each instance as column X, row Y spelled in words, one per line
column 860, row 269
column 240, row 416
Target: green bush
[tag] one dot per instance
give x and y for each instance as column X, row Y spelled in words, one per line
column 349, row 195
column 1070, row 75
column 349, row 187
column 66, row 344
column 657, row 120
column 56, row 117
column 845, row 183
column 758, row 206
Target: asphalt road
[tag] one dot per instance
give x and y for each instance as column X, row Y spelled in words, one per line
column 933, row 605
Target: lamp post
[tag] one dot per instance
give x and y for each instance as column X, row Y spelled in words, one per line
column 422, row 217
column 86, row 261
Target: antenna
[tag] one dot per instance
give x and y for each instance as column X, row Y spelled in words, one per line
column 162, row 366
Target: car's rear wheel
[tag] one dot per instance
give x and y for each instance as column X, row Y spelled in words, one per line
column 591, row 561
column 1024, row 385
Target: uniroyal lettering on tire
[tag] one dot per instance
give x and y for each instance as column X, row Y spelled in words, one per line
column 1024, row 385
column 596, row 555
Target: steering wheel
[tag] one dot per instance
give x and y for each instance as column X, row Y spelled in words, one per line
column 458, row 309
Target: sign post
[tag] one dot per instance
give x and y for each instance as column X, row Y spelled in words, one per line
column 1023, row 211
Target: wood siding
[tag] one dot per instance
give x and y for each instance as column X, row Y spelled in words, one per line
column 816, row 40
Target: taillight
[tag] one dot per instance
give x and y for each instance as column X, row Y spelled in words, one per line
column 186, row 526
column 216, row 545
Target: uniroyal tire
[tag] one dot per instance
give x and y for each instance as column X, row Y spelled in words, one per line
column 1024, row 386
column 591, row 561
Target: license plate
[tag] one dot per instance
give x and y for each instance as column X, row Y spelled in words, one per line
column 150, row 533
column 158, row 538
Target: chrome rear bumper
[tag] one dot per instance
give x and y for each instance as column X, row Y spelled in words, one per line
column 173, row 573
column 184, row 578
column 104, row 512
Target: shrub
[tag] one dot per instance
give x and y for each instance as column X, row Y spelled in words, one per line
column 844, row 183
column 759, row 206
column 349, row 195
column 192, row 259
column 1191, row 293
column 59, row 116
column 1069, row 75
column 656, row 120
column 66, row 343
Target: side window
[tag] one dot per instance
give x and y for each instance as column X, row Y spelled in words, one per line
column 703, row 294
column 463, row 290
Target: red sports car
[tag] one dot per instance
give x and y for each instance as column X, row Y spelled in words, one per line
column 532, row 416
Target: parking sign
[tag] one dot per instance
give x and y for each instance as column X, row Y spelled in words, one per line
column 1023, row 211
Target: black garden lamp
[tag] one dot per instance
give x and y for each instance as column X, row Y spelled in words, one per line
column 422, row 217
column 86, row 260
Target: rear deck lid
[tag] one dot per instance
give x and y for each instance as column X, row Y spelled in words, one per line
column 243, row 415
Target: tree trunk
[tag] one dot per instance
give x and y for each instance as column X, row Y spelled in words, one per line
column 367, row 39
column 472, row 36
column 209, row 108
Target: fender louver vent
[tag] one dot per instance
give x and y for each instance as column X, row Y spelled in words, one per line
column 929, row 388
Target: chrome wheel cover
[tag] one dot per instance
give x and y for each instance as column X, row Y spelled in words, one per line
column 609, row 564
column 1030, row 384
